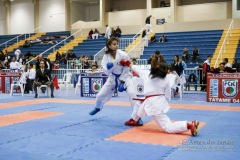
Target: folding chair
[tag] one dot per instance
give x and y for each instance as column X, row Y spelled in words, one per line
column 66, row 80
column 17, row 84
column 171, row 78
column 47, row 90
column 78, row 85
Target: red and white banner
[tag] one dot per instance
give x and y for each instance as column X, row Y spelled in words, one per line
column 223, row 87
column 6, row 79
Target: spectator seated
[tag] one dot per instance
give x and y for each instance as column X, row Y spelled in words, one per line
column 192, row 80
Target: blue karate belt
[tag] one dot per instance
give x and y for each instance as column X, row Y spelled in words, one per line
column 116, row 79
column 14, row 70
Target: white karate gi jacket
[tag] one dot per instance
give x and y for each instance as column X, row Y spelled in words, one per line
column 157, row 104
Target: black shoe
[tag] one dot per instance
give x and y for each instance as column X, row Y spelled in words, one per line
column 140, row 122
column 94, row 111
column 36, row 96
column 52, row 96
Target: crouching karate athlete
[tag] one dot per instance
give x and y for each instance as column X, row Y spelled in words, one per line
column 117, row 75
column 157, row 91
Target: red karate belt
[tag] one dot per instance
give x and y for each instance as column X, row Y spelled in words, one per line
column 143, row 99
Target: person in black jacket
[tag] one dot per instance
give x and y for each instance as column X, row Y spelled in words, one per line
column 43, row 77
column 223, row 69
column 177, row 65
column 195, row 55
column 148, row 23
column 118, row 32
column 236, row 65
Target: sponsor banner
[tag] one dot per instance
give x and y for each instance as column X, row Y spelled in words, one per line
column 223, row 88
column 6, row 79
column 91, row 84
column 96, row 84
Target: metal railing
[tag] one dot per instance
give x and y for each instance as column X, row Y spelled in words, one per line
column 53, row 47
column 140, row 32
column 123, row 43
column 77, row 64
column 198, row 73
column 225, row 42
column 17, row 37
column 98, row 56
column 142, row 61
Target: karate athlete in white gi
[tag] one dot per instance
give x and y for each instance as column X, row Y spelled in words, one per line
column 131, row 91
column 157, row 91
column 118, row 74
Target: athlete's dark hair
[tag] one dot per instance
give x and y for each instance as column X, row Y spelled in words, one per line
column 159, row 70
column 109, row 42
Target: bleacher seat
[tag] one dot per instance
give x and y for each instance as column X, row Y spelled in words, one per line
column 39, row 48
column 237, row 56
column 205, row 41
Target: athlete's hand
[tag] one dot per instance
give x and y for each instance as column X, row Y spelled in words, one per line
column 125, row 62
column 109, row 65
column 121, row 87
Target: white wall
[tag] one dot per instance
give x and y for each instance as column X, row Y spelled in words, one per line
column 235, row 12
column 202, row 12
column 92, row 13
column 160, row 13
column 128, row 17
column 22, row 16
column 2, row 19
column 52, row 15
column 197, row 25
column 77, row 12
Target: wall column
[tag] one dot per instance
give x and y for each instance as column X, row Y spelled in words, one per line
column 36, row 15
column 7, row 5
column 102, row 12
column 149, row 7
column 67, row 15
column 173, row 6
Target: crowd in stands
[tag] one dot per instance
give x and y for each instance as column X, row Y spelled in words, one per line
column 109, row 32
column 77, row 62
column 178, row 65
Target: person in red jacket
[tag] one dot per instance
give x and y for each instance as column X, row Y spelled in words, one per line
column 205, row 70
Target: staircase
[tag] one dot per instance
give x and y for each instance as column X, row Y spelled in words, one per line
column 66, row 47
column 21, row 42
column 231, row 47
column 139, row 48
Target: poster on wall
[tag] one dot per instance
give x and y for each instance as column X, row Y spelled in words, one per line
column 223, row 88
column 160, row 21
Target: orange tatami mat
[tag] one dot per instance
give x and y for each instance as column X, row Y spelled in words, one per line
column 113, row 103
column 25, row 116
column 150, row 133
